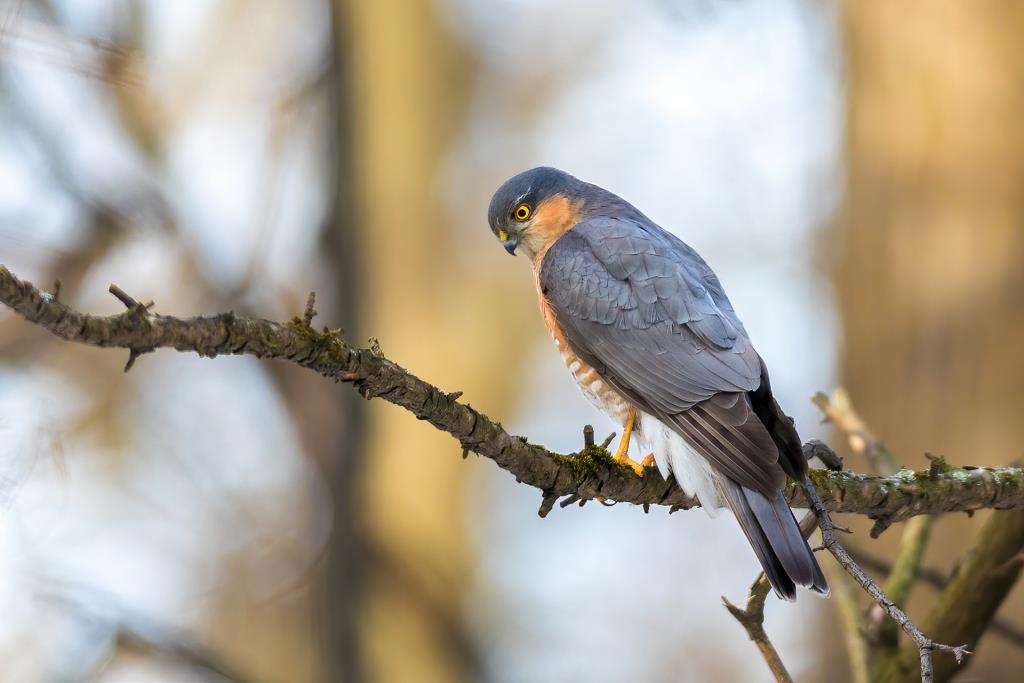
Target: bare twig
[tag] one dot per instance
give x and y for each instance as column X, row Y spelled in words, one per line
column 925, row 646
column 843, row 585
column 937, row 579
column 137, row 309
column 838, row 409
column 901, row 579
column 123, row 297
column 966, row 606
column 847, row 595
column 751, row 617
column 984, row 580
column 310, row 312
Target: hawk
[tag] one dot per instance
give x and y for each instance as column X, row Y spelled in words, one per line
column 645, row 328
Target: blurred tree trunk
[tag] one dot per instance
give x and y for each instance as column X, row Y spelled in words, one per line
column 342, row 428
column 931, row 273
column 409, row 93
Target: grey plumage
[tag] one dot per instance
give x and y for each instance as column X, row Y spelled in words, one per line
column 650, row 316
column 644, row 318
column 774, row 534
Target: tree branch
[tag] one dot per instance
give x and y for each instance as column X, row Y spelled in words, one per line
column 751, row 617
column 846, row 594
column 838, row 409
column 924, row 646
column 967, row 605
column 589, row 474
column 930, row 576
column 901, row 579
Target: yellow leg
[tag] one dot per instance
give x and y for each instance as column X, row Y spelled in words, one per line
column 622, row 452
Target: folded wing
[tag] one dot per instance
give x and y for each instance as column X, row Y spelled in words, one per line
column 650, row 316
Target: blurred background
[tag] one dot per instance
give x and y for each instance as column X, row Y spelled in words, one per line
column 852, row 169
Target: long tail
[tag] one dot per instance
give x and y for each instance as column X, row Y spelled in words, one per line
column 775, row 536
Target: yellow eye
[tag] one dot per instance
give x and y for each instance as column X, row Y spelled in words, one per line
column 522, row 212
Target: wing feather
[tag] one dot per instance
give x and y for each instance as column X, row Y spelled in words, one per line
column 649, row 315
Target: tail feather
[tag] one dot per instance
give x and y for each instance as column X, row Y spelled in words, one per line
column 775, row 536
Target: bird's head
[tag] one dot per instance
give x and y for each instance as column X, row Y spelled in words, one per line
column 533, row 209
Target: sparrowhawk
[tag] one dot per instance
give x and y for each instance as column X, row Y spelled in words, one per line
column 645, row 328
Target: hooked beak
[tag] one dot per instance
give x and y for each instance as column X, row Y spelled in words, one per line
column 510, row 242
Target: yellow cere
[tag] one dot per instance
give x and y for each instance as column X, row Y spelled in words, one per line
column 502, row 235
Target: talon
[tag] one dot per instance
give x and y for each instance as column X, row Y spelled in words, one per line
column 622, row 452
column 648, row 461
column 635, row 466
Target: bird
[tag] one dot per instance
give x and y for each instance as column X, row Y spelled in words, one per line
column 645, row 328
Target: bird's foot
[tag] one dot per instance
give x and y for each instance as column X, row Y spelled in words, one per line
column 622, row 452
column 637, row 467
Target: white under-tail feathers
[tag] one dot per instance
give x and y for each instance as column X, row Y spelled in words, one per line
column 673, row 455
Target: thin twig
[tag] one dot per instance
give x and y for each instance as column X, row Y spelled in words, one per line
column 962, row 612
column 931, row 576
column 925, row 646
column 838, row 409
column 900, row 580
column 847, row 596
column 129, row 302
column 310, row 312
column 751, row 617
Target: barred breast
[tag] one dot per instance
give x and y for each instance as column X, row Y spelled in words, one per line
column 673, row 455
column 597, row 391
